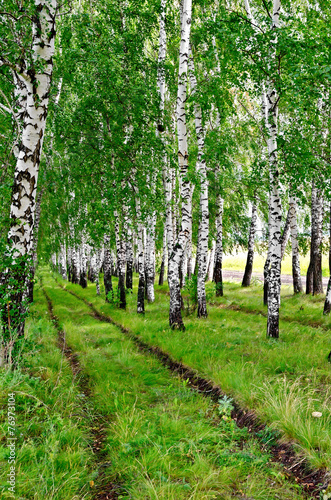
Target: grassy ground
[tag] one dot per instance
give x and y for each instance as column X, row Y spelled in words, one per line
column 237, row 262
column 284, row 381
column 53, row 458
column 164, row 440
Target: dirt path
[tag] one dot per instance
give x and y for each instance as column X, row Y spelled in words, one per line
column 283, row 453
column 286, row 279
column 105, row 490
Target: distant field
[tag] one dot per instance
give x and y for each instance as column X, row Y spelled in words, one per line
column 237, row 262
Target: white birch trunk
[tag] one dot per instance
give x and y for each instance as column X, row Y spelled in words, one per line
column 285, row 235
column 83, row 264
column 150, row 257
column 250, row 254
column 327, row 303
column 275, row 208
column 219, row 248
column 175, row 316
column 37, row 88
column 63, row 261
column 141, row 260
column 296, row 272
column 210, row 269
column 164, row 256
column 121, row 261
column 107, row 268
column 204, row 212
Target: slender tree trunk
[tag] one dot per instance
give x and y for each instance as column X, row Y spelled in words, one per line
column 121, row 263
column 141, row 259
column 175, row 315
column 317, row 248
column 83, row 265
column 204, row 212
column 275, row 213
column 97, row 270
column 314, row 283
column 327, row 303
column 75, row 266
column 211, row 263
column 164, row 253
column 296, row 272
column 285, row 234
column 107, row 268
column 69, row 263
column 129, row 260
column 250, row 254
column 150, row 258
column 63, row 261
column 219, row 248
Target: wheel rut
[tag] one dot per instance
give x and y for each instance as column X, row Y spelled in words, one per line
column 104, row 490
column 295, row 467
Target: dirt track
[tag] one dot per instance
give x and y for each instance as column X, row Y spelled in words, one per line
column 286, row 278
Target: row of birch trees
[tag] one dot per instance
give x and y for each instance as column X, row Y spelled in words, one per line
column 175, row 131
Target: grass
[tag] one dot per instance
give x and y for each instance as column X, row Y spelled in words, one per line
column 284, row 381
column 53, row 458
column 237, row 262
column 164, row 441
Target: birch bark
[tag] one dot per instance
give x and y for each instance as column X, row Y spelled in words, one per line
column 314, row 283
column 121, row 263
column 275, row 212
column 327, row 303
column 219, row 248
column 250, row 254
column 141, row 260
column 296, row 272
column 204, row 212
column 32, row 90
column 164, row 254
column 107, row 267
column 175, row 316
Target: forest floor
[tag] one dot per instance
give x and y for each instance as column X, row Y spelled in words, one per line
column 100, row 417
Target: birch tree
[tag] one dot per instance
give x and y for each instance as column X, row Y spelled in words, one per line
column 32, row 72
column 175, row 316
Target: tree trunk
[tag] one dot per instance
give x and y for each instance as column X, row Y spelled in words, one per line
column 83, row 265
column 296, row 272
column 164, row 253
column 175, row 315
column 129, row 260
column 314, row 283
column 141, row 260
column 250, row 254
column 317, row 242
column 107, row 268
column 75, row 266
column 33, row 89
column 285, row 234
column 219, row 248
column 121, row 261
column 275, row 209
column 97, row 270
column 63, row 261
column 150, row 257
column 327, row 303
column 204, row 212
